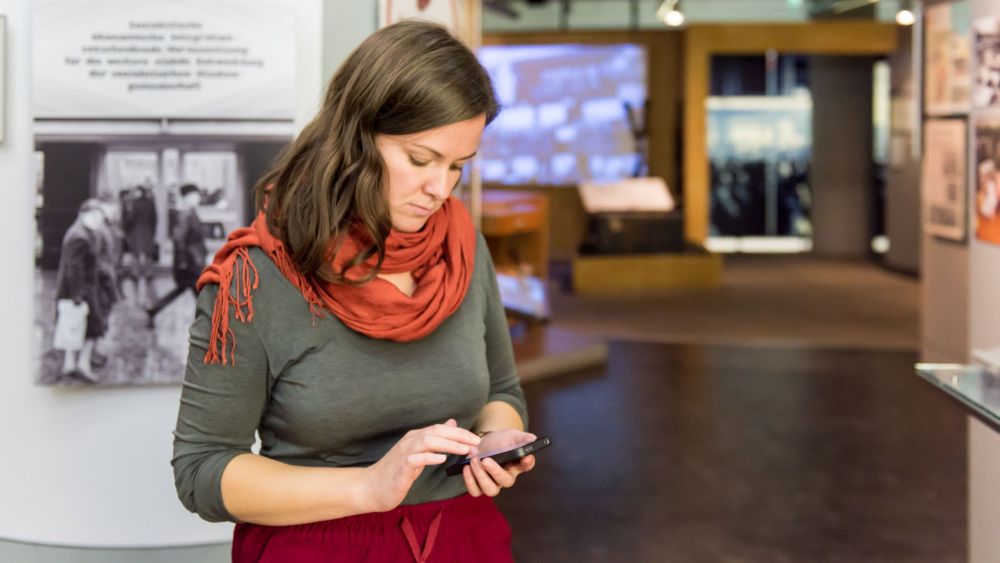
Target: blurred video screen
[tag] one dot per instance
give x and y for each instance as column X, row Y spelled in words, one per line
column 571, row 114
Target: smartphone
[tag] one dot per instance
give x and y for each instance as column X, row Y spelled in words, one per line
column 502, row 456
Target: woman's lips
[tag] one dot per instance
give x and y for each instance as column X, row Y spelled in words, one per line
column 420, row 210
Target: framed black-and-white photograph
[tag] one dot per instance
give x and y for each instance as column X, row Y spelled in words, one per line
column 943, row 184
column 125, row 225
column 987, row 87
column 153, row 122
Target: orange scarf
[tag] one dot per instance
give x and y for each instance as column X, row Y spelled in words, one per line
column 440, row 257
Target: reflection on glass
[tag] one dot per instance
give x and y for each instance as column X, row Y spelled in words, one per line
column 759, row 149
column 975, row 387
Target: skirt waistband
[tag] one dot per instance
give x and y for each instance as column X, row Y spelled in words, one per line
column 423, row 532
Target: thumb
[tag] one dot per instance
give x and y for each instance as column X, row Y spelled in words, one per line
column 450, row 422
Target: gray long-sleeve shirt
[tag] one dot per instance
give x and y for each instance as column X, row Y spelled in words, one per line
column 320, row 394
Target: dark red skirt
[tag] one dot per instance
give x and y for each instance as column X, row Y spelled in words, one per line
column 460, row 529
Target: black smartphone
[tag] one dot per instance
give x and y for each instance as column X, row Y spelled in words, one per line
column 502, row 456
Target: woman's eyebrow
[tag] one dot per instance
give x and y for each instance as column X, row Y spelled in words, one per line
column 437, row 154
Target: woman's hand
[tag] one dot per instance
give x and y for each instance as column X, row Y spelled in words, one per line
column 487, row 477
column 386, row 482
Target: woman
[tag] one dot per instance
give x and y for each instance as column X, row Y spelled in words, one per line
column 360, row 332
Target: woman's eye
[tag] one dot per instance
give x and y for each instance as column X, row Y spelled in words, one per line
column 416, row 162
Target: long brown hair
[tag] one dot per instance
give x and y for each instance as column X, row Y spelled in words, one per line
column 405, row 78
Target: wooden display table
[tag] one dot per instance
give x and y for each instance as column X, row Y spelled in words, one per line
column 618, row 274
column 516, row 227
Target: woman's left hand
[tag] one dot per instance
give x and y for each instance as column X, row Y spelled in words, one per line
column 487, row 477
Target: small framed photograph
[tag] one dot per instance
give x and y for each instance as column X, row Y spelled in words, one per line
column 948, row 59
column 987, row 171
column 987, row 88
column 944, row 178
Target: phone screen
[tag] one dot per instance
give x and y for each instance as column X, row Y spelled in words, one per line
column 502, row 456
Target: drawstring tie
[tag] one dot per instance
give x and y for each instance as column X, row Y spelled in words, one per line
column 411, row 538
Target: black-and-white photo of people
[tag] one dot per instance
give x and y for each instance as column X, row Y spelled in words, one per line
column 85, row 277
column 165, row 205
column 139, row 229
column 190, row 251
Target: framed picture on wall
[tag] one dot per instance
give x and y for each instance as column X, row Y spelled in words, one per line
column 128, row 216
column 987, row 88
column 987, row 175
column 943, row 183
column 948, row 59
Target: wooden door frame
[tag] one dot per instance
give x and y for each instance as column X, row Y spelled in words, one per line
column 704, row 41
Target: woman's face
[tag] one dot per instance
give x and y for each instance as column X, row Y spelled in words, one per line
column 424, row 167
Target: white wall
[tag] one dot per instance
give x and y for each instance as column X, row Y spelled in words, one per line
column 345, row 26
column 984, row 494
column 984, row 330
column 89, row 467
column 944, row 314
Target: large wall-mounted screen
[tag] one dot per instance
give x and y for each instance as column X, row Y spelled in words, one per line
column 571, row 114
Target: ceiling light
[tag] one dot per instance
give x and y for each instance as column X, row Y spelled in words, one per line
column 905, row 14
column 670, row 13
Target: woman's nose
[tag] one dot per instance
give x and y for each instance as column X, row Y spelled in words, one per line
column 437, row 184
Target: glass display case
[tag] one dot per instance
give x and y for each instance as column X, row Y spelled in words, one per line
column 976, row 388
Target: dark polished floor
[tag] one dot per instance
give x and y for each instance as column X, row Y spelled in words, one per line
column 692, row 453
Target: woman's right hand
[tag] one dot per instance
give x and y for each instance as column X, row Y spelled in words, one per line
column 386, row 482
